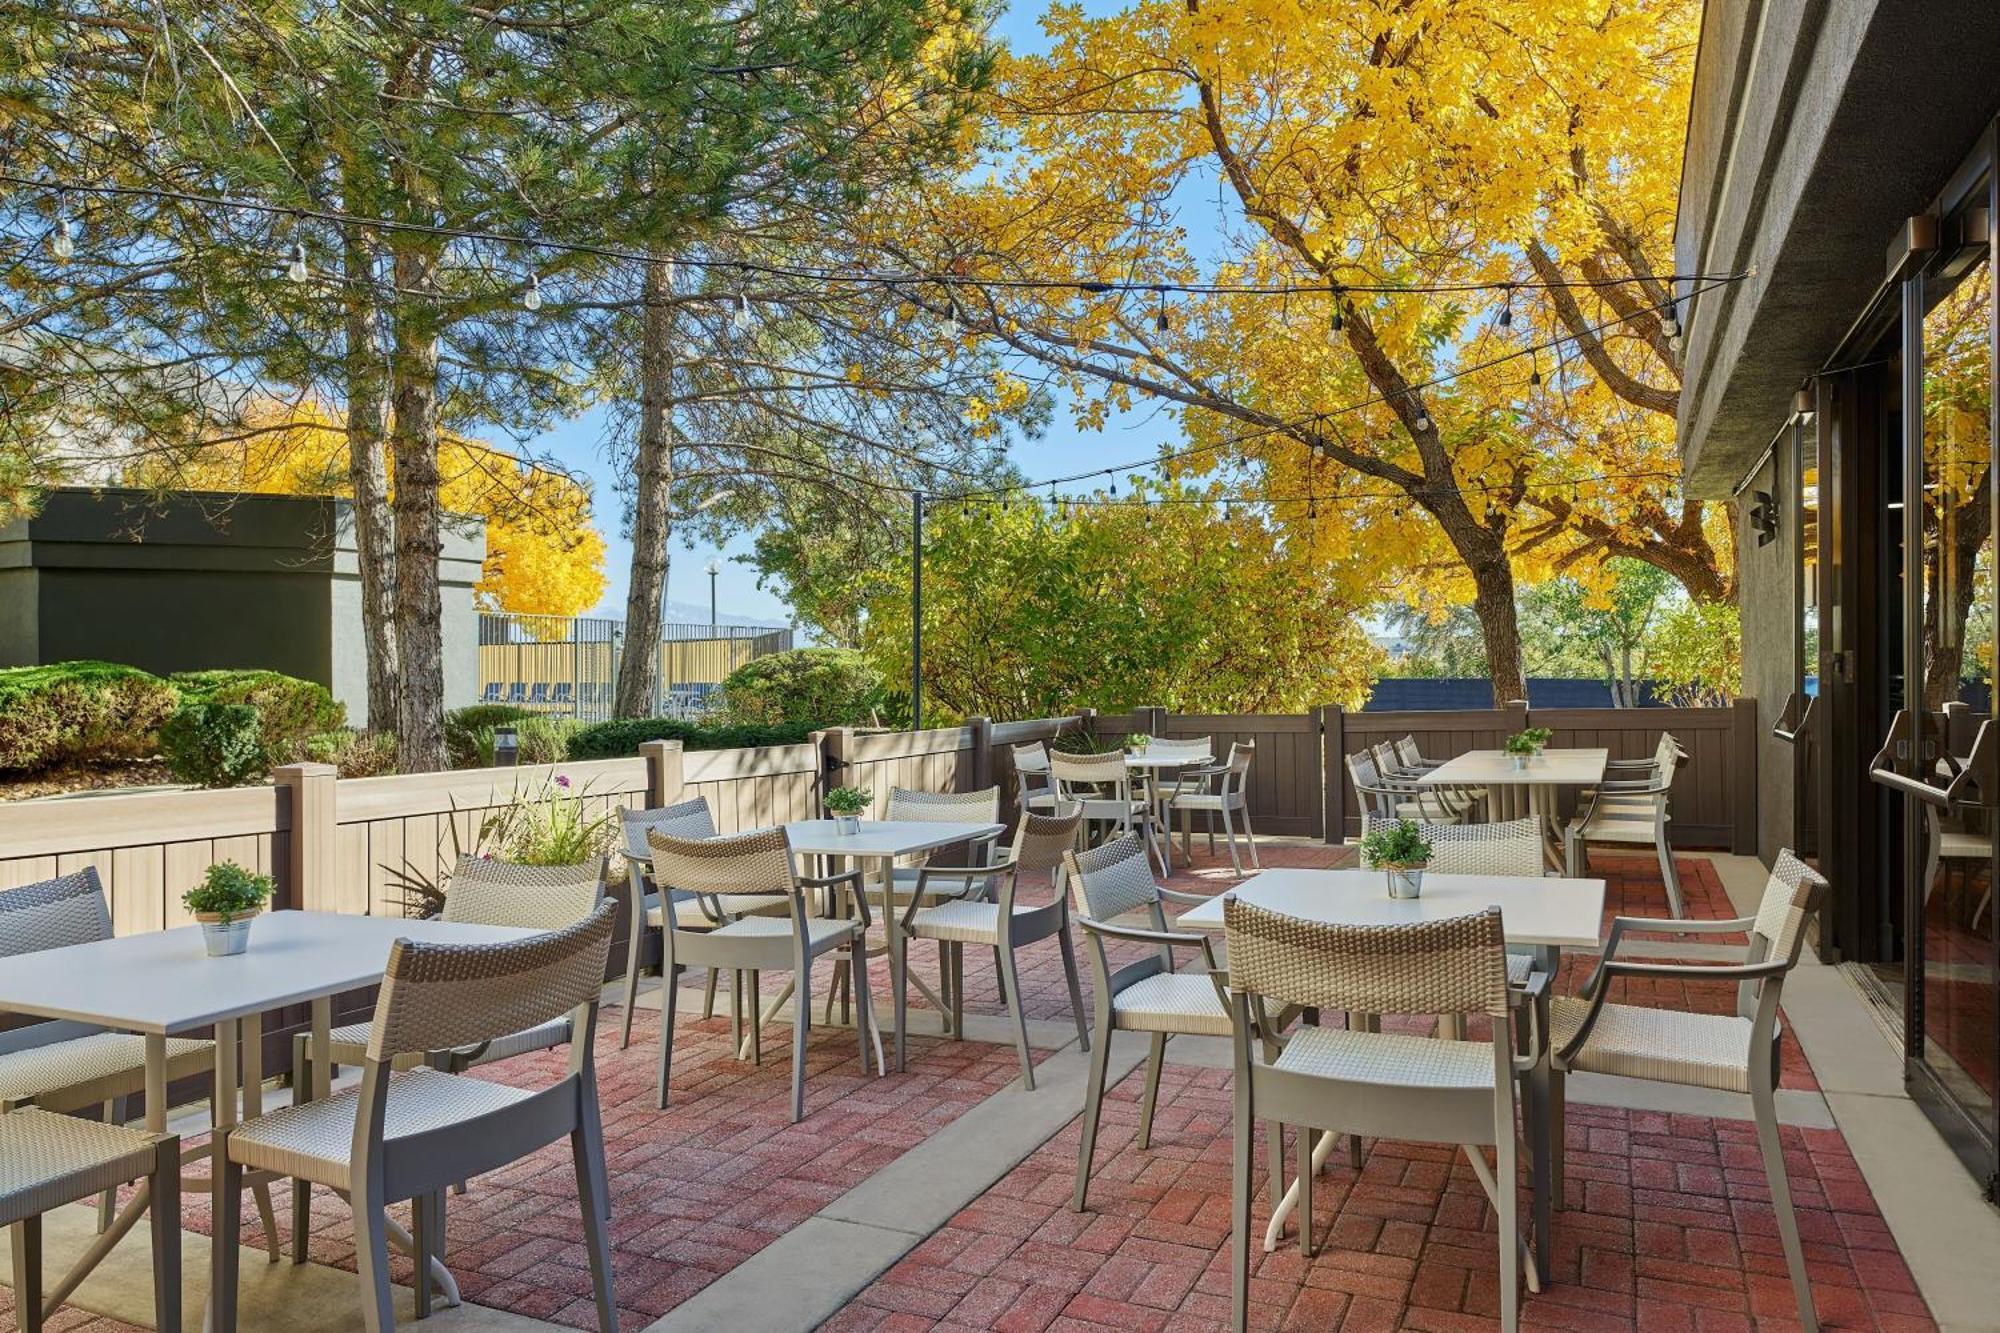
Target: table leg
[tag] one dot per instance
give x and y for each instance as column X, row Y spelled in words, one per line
column 1543, row 799
column 223, row 1102
column 253, row 1106
column 1539, row 1112
column 1272, row 1233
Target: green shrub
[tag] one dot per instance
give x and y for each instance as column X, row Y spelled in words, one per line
column 545, row 740
column 468, row 732
column 288, row 709
column 214, row 745
column 357, row 754
column 80, row 711
column 614, row 740
column 228, row 891
column 821, row 687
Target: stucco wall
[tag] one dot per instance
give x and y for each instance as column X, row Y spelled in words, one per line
column 1770, row 652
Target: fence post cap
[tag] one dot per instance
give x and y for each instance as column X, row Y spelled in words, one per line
column 303, row 770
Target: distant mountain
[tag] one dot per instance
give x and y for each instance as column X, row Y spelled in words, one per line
column 688, row 613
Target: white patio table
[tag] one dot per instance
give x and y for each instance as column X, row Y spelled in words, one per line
column 1149, row 766
column 877, row 846
column 163, row 984
column 1531, row 789
column 1543, row 913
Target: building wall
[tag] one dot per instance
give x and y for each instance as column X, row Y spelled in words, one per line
column 194, row 581
column 1769, row 605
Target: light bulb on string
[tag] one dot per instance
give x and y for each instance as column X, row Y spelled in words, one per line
column 62, row 241
column 1337, row 323
column 1534, row 369
column 1670, row 321
column 739, row 322
column 1507, row 309
column 531, row 299
column 1160, row 320
column 295, row 266
column 1423, row 421
column 951, row 324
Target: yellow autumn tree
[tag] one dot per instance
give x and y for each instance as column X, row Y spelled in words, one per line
column 544, row 556
column 1516, row 157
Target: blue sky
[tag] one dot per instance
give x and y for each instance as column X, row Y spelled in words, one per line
column 580, row 445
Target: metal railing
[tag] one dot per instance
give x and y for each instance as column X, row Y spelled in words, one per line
column 567, row 666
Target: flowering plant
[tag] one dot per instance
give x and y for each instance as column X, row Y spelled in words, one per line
column 548, row 826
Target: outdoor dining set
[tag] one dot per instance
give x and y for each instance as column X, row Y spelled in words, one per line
column 517, row 959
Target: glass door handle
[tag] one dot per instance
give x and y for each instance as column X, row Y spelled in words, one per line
column 1792, row 730
column 1977, row 770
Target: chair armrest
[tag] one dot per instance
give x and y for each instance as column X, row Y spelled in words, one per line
column 1170, row 939
column 1528, row 997
column 856, row 888
column 1191, row 899
column 1698, row 971
column 1621, row 924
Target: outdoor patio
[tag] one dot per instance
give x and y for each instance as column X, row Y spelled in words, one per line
column 938, row 1198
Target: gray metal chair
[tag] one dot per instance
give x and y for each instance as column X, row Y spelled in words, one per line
column 1631, row 814
column 944, row 807
column 48, row 1160
column 1102, row 785
column 1367, row 1083
column 412, row 1134
column 1034, row 786
column 758, row 863
column 684, row 819
column 1218, row 792
column 1145, row 996
column 1001, row 924
column 1383, row 797
column 1730, row 1053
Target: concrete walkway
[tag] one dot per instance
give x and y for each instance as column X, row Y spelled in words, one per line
column 1947, row 1233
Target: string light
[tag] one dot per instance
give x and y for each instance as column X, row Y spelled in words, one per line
column 951, row 323
column 1160, row 320
column 1423, row 421
column 295, row 267
column 1338, row 322
column 740, row 321
column 1670, row 320
column 1507, row 310
column 531, row 300
column 62, row 241
column 1534, row 370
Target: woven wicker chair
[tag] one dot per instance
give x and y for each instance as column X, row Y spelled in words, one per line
column 1631, row 814
column 66, row 1066
column 1728, row 1053
column 944, row 807
column 1410, row 761
column 1102, row 785
column 994, row 919
column 48, row 1160
column 1145, row 996
column 480, row 892
column 1377, row 1084
column 758, row 863
column 412, row 1134
column 1034, row 787
column 1218, row 791
column 686, row 819
column 1389, row 764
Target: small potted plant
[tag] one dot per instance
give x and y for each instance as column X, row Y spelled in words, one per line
column 845, row 804
column 1541, row 736
column 1138, row 741
column 224, row 902
column 1521, row 748
column 1400, row 850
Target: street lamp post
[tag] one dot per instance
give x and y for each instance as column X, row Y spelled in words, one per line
column 714, row 568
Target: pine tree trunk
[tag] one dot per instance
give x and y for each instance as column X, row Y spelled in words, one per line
column 419, row 540
column 652, row 516
column 368, row 480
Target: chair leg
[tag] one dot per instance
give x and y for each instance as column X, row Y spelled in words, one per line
column 1068, row 948
column 899, row 983
column 1093, row 1104
column 945, row 986
column 1249, row 838
column 753, row 999
column 226, row 1247
column 801, row 1026
column 1155, row 1060
column 1672, row 876
column 631, row 975
column 26, row 1241
column 164, row 1217
column 958, row 992
column 735, row 1010
column 423, row 1237
column 708, row 994
column 107, row 1202
column 1557, row 1092
column 1763, row 1101
column 371, row 1255
column 669, row 975
column 1229, row 836
column 302, row 1091
column 1304, row 1212
column 1506, row 1179
column 1239, row 1212
column 864, row 1002
column 1010, row 987
column 589, row 1161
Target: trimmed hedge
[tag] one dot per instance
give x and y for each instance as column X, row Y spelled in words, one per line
column 80, row 711
column 827, row 687
column 615, row 740
column 215, row 744
column 468, row 732
column 289, row 710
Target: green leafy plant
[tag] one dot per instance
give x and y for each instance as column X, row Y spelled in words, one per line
column 1400, row 845
column 615, row 740
column 357, row 754
column 214, row 745
column 549, row 825
column 545, row 740
column 71, row 712
column 1539, row 735
column 849, row 800
column 1138, row 740
column 289, row 710
column 1520, row 743
column 228, row 891
column 1083, row 742
column 468, row 732
column 821, row 687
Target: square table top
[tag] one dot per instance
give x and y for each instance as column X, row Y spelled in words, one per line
column 1495, row 768
column 882, row 837
column 163, row 981
column 1534, row 910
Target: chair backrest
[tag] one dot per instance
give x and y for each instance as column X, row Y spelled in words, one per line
column 1510, row 848
column 54, row 913
column 759, row 861
column 1407, row 752
column 945, row 807
column 1194, row 747
column 1032, row 758
column 1385, row 757
column 684, row 819
column 1094, row 771
column 1112, row 878
column 1791, row 895
column 485, row 892
column 1041, row 841
column 1368, row 793
column 437, row 997
column 1456, row 965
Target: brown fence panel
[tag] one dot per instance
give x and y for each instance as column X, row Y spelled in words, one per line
column 1440, row 734
column 944, row 759
column 1284, row 788
column 748, row 789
